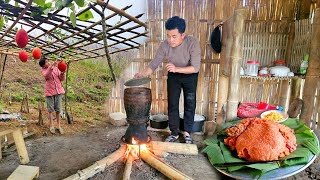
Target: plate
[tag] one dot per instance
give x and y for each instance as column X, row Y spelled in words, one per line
column 137, row 81
column 279, row 173
column 284, row 115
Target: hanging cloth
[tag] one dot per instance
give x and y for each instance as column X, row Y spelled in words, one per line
column 216, row 39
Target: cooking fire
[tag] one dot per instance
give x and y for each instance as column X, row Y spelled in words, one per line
column 137, row 143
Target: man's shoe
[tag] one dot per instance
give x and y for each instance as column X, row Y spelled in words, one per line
column 172, row 138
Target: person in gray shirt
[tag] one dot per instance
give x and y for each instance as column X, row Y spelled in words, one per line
column 183, row 55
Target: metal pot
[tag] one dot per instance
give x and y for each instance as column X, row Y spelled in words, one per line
column 198, row 122
column 159, row 121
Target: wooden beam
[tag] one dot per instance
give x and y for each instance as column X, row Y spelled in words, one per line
column 127, row 168
column 83, row 30
column 164, row 168
column 98, row 34
column 178, row 148
column 21, row 146
column 98, row 166
column 114, row 34
column 25, row 172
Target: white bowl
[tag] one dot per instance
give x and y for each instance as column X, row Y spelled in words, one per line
column 282, row 113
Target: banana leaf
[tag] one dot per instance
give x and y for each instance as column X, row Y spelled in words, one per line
column 219, row 154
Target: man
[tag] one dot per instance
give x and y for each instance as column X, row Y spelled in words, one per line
column 183, row 55
column 53, row 91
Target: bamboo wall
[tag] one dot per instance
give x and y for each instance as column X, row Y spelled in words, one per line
column 265, row 41
column 301, row 43
column 270, row 18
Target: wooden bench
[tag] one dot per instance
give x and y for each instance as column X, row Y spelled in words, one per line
column 19, row 142
column 24, row 172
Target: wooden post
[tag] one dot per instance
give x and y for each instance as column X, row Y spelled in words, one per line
column 25, row 104
column 295, row 89
column 21, row 146
column 40, row 108
column 284, row 93
column 0, row 148
column 3, row 67
column 236, row 56
column 313, row 72
column 165, row 169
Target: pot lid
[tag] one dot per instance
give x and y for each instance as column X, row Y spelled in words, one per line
column 137, row 81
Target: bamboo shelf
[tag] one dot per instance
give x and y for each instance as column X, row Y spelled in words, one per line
column 273, row 77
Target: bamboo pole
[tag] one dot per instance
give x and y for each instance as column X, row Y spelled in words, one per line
column 290, row 42
column 121, row 12
column 83, row 30
column 98, row 34
column 179, row 148
column 128, row 167
column 16, row 21
column 41, row 22
column 236, row 56
column 98, row 166
column 165, row 169
column 3, row 68
column 109, row 45
column 60, row 25
column 101, row 55
column 313, row 71
column 21, row 146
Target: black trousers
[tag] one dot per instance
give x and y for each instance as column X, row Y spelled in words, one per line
column 188, row 83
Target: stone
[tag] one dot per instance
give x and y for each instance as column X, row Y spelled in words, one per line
column 118, row 119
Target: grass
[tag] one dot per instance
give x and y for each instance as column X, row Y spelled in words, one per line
column 89, row 85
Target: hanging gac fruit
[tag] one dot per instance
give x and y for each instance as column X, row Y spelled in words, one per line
column 36, row 53
column 23, row 56
column 62, row 66
column 21, row 38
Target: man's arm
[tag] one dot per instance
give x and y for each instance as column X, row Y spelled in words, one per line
column 146, row 72
column 154, row 63
column 183, row 70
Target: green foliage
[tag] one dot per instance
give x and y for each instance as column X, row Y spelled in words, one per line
column 80, row 3
column 40, row 2
column 86, row 15
column 1, row 22
column 73, row 19
column 17, row 97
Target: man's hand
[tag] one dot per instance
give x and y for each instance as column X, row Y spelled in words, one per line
column 138, row 75
column 171, row 67
column 146, row 72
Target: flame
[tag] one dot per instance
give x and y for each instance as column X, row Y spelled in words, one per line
column 134, row 149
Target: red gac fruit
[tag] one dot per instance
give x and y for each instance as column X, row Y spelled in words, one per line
column 21, row 38
column 23, row 56
column 36, row 53
column 62, row 66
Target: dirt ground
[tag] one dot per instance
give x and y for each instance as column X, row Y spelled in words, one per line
column 60, row 156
